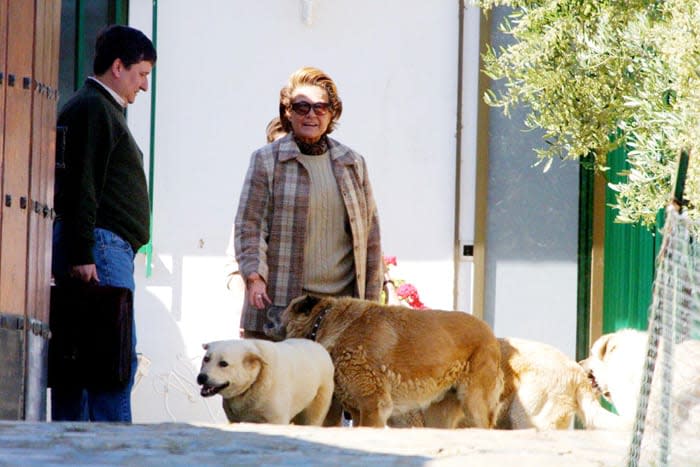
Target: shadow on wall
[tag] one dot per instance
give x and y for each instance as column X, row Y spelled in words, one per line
column 166, row 388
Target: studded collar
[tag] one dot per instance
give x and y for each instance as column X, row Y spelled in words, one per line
column 317, row 324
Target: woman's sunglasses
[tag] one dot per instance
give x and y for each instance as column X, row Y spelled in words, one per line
column 303, row 108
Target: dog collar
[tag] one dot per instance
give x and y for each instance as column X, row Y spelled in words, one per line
column 317, row 324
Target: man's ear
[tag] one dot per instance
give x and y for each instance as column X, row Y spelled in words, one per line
column 117, row 67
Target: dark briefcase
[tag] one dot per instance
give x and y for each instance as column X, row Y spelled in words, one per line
column 91, row 336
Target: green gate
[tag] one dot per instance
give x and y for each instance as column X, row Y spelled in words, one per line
column 630, row 255
column 628, row 260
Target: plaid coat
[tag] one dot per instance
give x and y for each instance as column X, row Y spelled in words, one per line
column 270, row 225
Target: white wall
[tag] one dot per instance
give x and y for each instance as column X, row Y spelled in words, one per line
column 220, row 67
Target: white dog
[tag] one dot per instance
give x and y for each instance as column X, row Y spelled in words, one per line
column 269, row 382
column 616, row 365
column 544, row 389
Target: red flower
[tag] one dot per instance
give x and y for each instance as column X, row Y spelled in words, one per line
column 405, row 292
column 409, row 294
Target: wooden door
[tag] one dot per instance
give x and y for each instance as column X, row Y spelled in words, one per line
column 41, row 176
column 42, row 160
column 3, row 86
column 18, row 48
column 28, row 63
column 15, row 196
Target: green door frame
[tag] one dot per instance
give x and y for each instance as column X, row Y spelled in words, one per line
column 118, row 13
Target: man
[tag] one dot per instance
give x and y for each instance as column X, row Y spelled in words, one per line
column 102, row 197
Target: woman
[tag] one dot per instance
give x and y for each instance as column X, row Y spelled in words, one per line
column 306, row 221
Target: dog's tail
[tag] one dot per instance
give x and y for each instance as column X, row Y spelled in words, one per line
column 498, row 405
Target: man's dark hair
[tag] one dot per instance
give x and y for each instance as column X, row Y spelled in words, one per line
column 121, row 42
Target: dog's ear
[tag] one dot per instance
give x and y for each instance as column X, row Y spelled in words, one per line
column 252, row 359
column 603, row 346
column 304, row 304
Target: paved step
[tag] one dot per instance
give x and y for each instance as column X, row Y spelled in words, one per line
column 66, row 443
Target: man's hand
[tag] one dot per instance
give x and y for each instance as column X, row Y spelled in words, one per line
column 85, row 272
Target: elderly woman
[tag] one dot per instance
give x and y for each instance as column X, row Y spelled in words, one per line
column 306, row 221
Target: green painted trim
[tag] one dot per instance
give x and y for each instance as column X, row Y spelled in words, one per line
column 585, row 248
column 148, row 248
column 120, row 12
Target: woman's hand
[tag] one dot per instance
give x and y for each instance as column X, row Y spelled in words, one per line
column 257, row 292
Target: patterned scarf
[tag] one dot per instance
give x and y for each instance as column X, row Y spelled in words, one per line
column 312, row 149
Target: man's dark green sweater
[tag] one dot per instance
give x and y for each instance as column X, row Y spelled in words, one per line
column 103, row 183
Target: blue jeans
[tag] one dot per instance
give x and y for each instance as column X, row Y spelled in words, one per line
column 114, row 260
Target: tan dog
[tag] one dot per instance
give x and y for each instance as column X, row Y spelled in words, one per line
column 543, row 389
column 616, row 365
column 266, row 382
column 390, row 360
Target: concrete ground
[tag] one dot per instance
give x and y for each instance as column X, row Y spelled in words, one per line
column 49, row 444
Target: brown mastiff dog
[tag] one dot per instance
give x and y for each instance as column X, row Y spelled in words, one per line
column 392, row 360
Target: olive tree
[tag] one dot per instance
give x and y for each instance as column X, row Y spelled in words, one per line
column 597, row 75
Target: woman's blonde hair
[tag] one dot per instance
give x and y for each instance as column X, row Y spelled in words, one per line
column 274, row 130
column 310, row 76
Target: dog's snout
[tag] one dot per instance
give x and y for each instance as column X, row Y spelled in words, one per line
column 201, row 378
